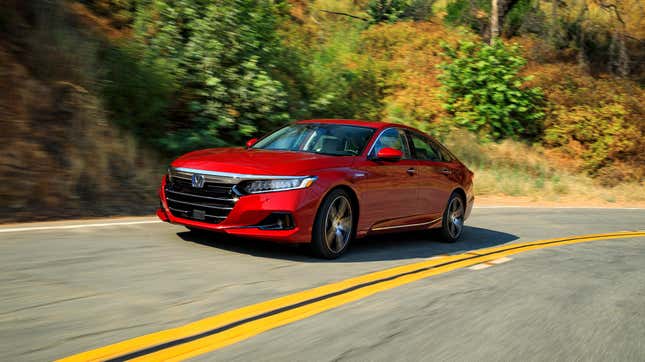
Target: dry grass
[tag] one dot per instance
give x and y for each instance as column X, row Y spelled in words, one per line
column 518, row 170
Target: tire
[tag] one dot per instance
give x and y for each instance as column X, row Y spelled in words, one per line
column 452, row 223
column 333, row 228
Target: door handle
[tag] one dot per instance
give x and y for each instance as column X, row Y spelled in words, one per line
column 445, row 171
column 412, row 171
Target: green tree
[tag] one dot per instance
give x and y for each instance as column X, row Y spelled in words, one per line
column 485, row 93
column 221, row 54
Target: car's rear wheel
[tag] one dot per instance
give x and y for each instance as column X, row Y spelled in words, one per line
column 453, row 219
column 334, row 225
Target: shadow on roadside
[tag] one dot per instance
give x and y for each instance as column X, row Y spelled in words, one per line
column 408, row 245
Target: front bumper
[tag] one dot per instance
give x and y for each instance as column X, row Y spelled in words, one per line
column 469, row 207
column 251, row 210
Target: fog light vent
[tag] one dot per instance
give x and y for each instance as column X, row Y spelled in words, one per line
column 277, row 221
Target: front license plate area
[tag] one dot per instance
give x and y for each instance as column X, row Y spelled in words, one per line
column 199, row 214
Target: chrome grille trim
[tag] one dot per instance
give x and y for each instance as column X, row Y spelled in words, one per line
column 221, row 177
column 186, row 212
column 233, row 200
column 178, row 210
column 199, row 205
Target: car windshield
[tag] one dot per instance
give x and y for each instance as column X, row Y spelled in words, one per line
column 328, row 139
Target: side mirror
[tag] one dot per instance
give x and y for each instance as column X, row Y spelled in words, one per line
column 251, row 142
column 389, row 154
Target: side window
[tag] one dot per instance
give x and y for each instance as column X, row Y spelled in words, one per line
column 441, row 151
column 445, row 156
column 392, row 138
column 423, row 148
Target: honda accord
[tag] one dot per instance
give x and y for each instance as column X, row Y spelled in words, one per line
column 322, row 182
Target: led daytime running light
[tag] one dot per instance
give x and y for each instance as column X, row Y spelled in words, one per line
column 259, row 186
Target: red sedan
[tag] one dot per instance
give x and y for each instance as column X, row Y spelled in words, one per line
column 323, row 182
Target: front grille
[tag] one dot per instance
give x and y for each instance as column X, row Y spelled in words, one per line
column 211, row 204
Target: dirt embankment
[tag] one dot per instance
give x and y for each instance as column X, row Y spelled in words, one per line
column 59, row 158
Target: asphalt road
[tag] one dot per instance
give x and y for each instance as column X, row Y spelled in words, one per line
column 64, row 291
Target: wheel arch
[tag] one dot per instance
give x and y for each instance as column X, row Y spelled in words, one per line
column 353, row 198
column 318, row 245
column 460, row 191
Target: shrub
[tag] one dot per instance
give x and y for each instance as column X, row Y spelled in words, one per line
column 602, row 129
column 485, row 93
column 524, row 17
column 390, row 11
column 419, row 10
column 380, row 11
column 137, row 95
column 343, row 82
column 471, row 13
column 407, row 54
column 598, row 120
column 222, row 55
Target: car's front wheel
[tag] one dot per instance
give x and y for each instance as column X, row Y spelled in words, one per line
column 334, row 225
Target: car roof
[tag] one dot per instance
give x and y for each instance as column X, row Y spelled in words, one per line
column 352, row 122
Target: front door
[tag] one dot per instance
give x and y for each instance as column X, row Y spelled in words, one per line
column 390, row 187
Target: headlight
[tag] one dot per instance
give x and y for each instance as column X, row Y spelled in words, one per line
column 259, row 186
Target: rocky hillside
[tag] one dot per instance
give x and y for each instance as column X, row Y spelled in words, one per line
column 59, row 156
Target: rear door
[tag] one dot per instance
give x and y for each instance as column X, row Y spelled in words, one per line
column 391, row 188
column 435, row 174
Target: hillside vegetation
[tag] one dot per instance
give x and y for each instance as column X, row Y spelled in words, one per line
column 552, row 109
column 60, row 155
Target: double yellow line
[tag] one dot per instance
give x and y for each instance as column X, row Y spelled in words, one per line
column 228, row 328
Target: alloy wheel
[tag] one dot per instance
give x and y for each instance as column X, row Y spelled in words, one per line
column 338, row 224
column 455, row 217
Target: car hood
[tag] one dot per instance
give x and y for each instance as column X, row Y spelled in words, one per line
column 260, row 162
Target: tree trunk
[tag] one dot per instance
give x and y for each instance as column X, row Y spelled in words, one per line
column 611, row 64
column 554, row 19
column 582, row 51
column 582, row 56
column 623, row 56
column 494, row 21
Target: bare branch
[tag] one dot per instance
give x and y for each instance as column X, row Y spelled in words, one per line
column 345, row 14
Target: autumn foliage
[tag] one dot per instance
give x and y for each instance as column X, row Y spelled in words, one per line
column 187, row 74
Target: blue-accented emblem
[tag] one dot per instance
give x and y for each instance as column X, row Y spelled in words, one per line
column 198, row 181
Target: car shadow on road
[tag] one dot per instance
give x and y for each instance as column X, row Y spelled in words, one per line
column 408, row 245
